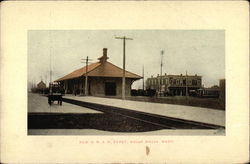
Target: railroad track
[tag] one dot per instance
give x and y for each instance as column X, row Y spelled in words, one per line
column 158, row 120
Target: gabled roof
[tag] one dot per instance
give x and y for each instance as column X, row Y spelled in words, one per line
column 105, row 69
column 41, row 82
column 79, row 72
column 108, row 69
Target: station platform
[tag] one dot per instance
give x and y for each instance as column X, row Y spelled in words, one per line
column 198, row 114
column 39, row 104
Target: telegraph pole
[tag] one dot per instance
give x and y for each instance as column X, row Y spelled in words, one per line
column 86, row 76
column 124, row 38
column 50, row 70
column 186, row 84
column 143, row 78
column 162, row 52
column 46, row 79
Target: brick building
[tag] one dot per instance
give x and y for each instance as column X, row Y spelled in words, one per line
column 104, row 78
column 175, row 84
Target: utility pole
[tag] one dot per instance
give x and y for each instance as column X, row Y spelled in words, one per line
column 124, row 38
column 86, row 76
column 50, row 70
column 162, row 52
column 143, row 78
column 46, row 79
column 186, row 84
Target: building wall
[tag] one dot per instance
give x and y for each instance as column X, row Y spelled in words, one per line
column 96, row 85
column 174, row 81
column 175, row 84
column 71, row 85
column 41, row 85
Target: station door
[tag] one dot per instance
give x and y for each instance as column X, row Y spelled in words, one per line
column 110, row 88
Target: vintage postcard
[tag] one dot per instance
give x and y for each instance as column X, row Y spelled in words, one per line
column 176, row 85
column 119, row 82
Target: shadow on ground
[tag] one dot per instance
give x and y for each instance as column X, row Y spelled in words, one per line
column 98, row 121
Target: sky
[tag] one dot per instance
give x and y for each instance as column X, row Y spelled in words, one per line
column 200, row 52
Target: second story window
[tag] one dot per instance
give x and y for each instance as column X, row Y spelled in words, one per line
column 194, row 82
column 174, row 81
column 198, row 82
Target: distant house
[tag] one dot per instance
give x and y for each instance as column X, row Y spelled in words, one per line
column 175, row 85
column 41, row 85
column 104, row 78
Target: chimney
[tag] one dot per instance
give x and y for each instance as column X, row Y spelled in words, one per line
column 104, row 56
column 105, row 52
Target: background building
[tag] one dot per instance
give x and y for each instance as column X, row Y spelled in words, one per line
column 175, row 84
column 104, row 78
column 41, row 85
column 40, row 88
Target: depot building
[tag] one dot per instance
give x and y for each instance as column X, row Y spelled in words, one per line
column 104, row 79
